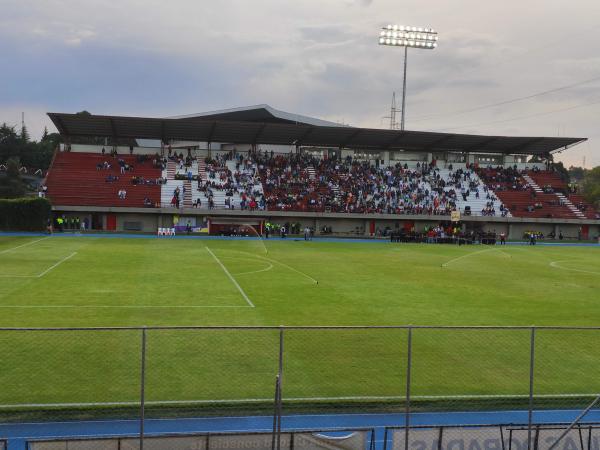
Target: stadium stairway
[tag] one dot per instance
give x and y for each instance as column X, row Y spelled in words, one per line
column 554, row 184
column 476, row 204
column 532, row 184
column 575, row 203
column 170, row 174
column 518, row 201
column 74, row 179
column 187, row 194
column 581, row 204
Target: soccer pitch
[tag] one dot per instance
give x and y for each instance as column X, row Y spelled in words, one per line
column 120, row 282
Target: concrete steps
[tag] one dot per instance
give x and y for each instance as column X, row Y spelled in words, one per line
column 569, row 204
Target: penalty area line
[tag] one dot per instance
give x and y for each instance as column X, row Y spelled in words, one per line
column 235, row 283
column 556, row 265
column 467, row 255
column 54, row 266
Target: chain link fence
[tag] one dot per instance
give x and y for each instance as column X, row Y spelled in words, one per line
column 159, row 372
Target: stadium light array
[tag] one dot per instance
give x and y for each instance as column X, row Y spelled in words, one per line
column 405, row 36
column 408, row 37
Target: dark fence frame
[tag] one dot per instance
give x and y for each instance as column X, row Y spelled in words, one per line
column 505, row 431
column 280, row 376
column 208, row 435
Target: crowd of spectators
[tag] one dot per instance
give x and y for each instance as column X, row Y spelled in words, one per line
column 306, row 183
column 445, row 233
column 124, row 167
column 503, row 178
column 242, row 182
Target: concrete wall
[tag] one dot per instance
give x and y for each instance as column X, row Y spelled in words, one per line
column 517, row 229
column 348, row 224
column 149, row 223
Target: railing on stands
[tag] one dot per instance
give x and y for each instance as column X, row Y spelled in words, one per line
column 332, row 439
column 155, row 372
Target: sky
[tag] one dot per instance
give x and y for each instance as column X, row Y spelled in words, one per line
column 318, row 58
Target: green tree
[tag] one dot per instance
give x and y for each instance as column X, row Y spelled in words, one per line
column 11, row 184
column 9, row 143
column 561, row 170
column 591, row 186
column 24, row 134
column 30, row 153
column 576, row 174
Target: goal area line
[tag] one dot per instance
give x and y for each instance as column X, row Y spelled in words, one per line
column 41, row 274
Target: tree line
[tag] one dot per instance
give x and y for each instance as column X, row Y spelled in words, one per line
column 17, row 149
column 588, row 181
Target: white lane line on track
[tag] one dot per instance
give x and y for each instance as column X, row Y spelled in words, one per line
column 235, row 283
column 23, row 245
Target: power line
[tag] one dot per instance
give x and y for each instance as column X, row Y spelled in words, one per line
column 595, row 102
column 506, row 102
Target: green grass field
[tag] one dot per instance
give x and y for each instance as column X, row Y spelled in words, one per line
column 85, row 282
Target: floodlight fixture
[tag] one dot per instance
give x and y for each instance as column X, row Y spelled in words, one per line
column 393, row 35
column 417, row 36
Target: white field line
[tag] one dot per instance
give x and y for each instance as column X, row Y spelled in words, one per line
column 235, row 283
column 467, row 255
column 246, row 258
column 276, row 262
column 18, row 276
column 23, row 245
column 124, row 306
column 44, row 272
column 291, row 268
column 504, row 253
column 56, row 265
column 256, row 271
column 280, row 263
column 556, row 265
column 292, row 399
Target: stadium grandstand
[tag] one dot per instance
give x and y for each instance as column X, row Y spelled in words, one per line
column 258, row 164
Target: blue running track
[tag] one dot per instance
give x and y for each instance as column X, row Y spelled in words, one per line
column 289, row 239
column 18, row 433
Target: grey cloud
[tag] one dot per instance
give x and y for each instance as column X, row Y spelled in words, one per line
column 315, row 57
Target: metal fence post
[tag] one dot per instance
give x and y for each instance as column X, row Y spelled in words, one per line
column 142, row 388
column 531, row 384
column 280, row 377
column 407, row 404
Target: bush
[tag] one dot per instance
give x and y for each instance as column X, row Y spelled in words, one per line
column 27, row 214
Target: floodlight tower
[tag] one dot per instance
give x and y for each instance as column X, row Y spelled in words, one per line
column 405, row 36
